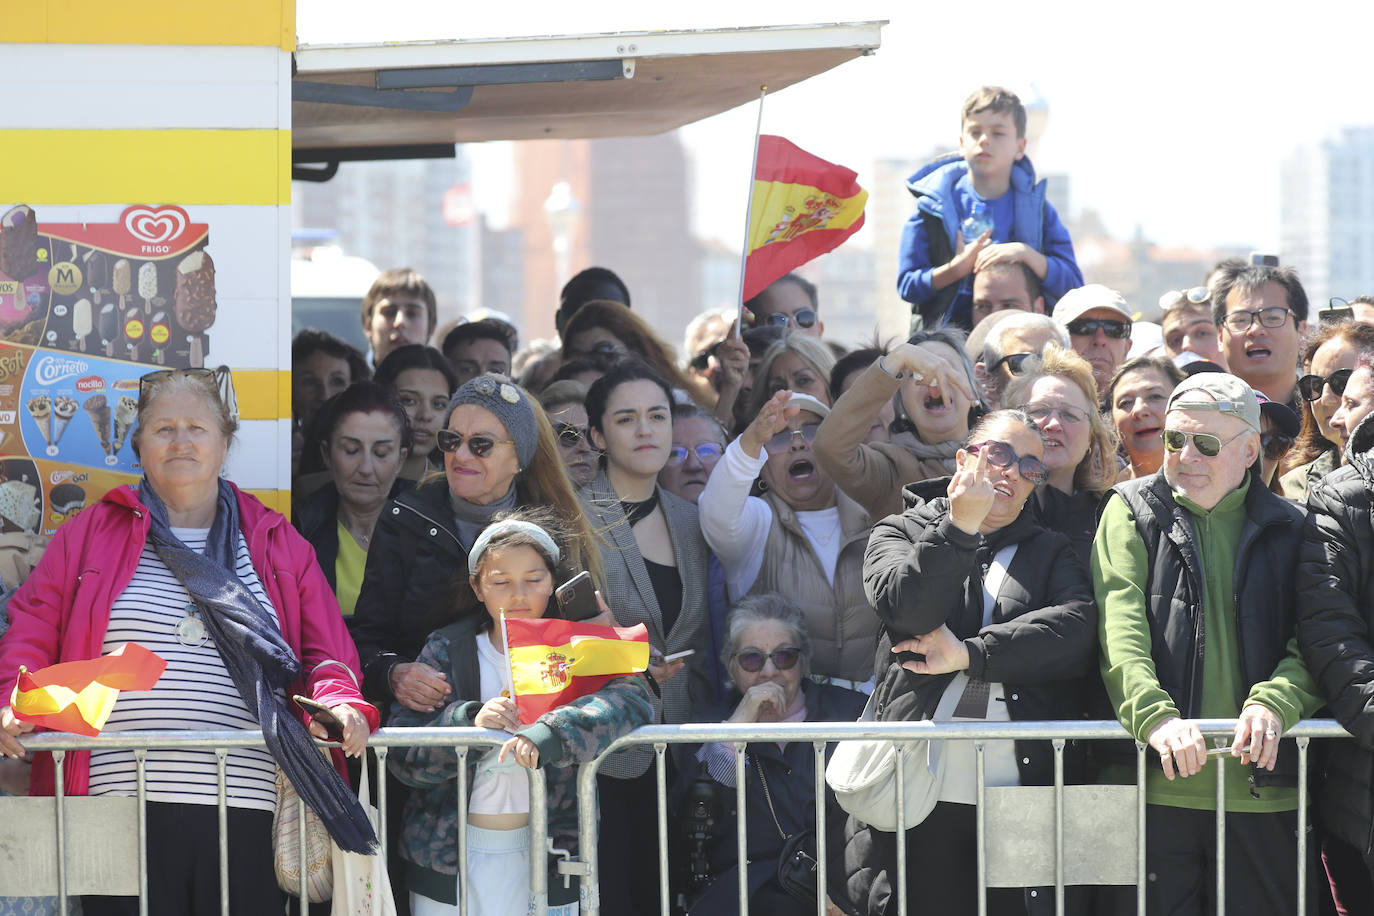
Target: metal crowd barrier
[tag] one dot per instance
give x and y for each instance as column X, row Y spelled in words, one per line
column 68, row 846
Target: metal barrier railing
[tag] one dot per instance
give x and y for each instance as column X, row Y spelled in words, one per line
column 818, row 734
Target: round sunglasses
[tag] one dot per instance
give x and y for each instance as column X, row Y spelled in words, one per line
column 1001, row 455
column 1310, row 386
column 478, row 444
column 802, row 318
column 1207, row 444
column 784, row 659
column 1112, row 327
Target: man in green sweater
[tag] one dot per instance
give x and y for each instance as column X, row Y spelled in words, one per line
column 1193, row 571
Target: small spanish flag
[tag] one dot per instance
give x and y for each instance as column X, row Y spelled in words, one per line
column 803, row 207
column 77, row 697
column 556, row 661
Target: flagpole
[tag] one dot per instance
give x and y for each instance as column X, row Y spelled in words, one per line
column 748, row 217
column 505, row 644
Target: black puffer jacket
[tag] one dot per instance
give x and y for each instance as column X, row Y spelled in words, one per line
column 317, row 519
column 1335, row 583
column 920, row 572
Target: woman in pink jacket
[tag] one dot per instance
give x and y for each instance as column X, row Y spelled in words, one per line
column 228, row 593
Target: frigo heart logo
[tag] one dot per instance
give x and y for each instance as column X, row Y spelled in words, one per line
column 154, row 225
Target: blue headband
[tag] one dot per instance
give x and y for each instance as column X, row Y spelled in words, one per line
column 537, row 534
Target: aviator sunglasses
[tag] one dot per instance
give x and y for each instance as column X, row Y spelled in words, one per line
column 1207, row 444
column 783, row 440
column 1001, row 455
column 479, row 445
column 752, row 660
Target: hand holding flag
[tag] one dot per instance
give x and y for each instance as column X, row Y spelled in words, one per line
column 77, row 697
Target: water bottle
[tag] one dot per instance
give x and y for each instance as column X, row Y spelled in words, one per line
column 978, row 222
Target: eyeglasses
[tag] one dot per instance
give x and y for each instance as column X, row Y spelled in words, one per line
column 1311, row 386
column 706, row 452
column 569, row 435
column 149, row 379
column 783, row 440
column 1112, row 327
column 1207, row 444
column 1275, row 445
column 1174, row 298
column 1067, row 415
column 1015, row 362
column 1001, row 455
column 802, row 318
column 479, row 445
column 784, row 659
column 1276, row 316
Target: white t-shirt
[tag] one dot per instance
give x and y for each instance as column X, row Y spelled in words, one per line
column 497, row 788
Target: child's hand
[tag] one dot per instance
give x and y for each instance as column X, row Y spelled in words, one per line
column 498, row 713
column 522, row 749
column 967, row 255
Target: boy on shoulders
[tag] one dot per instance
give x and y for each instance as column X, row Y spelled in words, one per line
column 990, row 174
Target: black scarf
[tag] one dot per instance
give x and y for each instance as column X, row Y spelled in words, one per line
column 260, row 662
column 638, row 512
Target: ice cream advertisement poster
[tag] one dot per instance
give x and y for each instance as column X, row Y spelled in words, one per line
column 140, row 288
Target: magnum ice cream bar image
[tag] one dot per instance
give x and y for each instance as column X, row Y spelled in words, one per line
column 107, row 326
column 99, row 411
column 195, row 301
column 147, row 285
column 19, row 243
column 160, row 335
column 40, row 408
column 82, row 324
column 97, row 269
column 125, row 415
column 122, row 281
column 67, row 499
column 134, row 331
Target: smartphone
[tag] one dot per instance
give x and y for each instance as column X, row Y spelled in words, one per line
column 676, row 655
column 323, row 715
column 577, row 598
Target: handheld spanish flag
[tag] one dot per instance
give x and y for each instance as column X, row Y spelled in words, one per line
column 77, row 697
column 802, row 207
column 555, row 661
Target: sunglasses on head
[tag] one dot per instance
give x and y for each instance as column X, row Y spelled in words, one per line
column 1207, row 444
column 479, row 445
column 1015, row 362
column 157, row 375
column 784, row 659
column 1112, row 327
column 802, row 318
column 1310, row 386
column 1275, row 445
column 1001, row 455
column 706, row 453
column 783, row 440
column 1174, row 298
column 569, row 435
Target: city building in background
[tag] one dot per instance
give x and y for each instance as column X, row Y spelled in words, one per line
column 1327, row 215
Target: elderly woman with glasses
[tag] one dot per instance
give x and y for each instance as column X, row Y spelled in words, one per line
column 803, row 538
column 768, row 653
column 990, row 616
column 226, row 592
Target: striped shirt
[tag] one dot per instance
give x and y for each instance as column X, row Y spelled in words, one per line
column 195, row 692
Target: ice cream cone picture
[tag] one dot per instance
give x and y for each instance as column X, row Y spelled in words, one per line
column 126, row 413
column 40, row 408
column 99, row 411
column 64, row 408
column 81, row 323
column 147, row 285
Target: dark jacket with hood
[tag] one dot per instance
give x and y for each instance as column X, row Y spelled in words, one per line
column 1335, row 607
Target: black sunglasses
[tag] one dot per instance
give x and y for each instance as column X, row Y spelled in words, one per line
column 1112, row 327
column 569, row 435
column 1207, row 444
column 783, row 440
column 479, row 445
column 1310, row 386
column 1275, row 445
column 1001, row 455
column 784, row 659
column 803, row 318
column 1015, row 362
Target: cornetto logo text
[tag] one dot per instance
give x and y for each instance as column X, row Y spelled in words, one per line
column 49, row 370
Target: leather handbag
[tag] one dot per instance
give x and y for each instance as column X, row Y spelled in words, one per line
column 797, row 868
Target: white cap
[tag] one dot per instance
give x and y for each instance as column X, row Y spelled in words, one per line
column 1076, row 302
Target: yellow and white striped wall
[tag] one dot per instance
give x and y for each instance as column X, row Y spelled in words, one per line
column 186, row 102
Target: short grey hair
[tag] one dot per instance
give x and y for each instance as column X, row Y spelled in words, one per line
column 760, row 608
column 1022, row 321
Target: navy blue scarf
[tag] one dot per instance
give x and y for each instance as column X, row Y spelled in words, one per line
column 258, row 659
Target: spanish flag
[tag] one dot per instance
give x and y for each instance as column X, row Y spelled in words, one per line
column 553, row 661
column 802, row 207
column 77, row 697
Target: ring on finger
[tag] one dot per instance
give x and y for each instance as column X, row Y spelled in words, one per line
column 1270, row 734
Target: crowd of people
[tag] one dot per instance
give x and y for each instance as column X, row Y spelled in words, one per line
column 1025, row 511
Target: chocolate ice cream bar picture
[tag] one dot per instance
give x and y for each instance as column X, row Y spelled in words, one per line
column 99, row 411
column 108, row 326
column 19, row 243
column 97, row 270
column 194, row 303
column 147, row 285
column 40, row 408
column 81, row 323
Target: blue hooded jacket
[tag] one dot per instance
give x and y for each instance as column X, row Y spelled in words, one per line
column 1034, row 222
